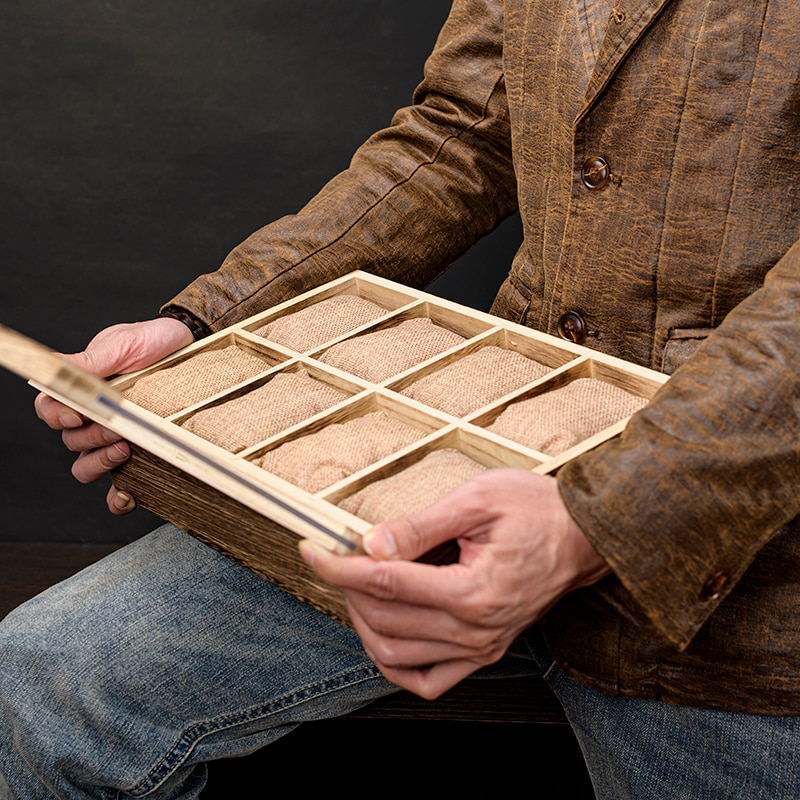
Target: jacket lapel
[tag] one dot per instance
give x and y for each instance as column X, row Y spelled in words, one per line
column 619, row 40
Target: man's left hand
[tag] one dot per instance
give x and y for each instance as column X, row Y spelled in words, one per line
column 427, row 627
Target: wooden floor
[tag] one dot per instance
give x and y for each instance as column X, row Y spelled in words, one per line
column 445, row 730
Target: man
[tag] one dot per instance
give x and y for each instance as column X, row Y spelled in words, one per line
column 650, row 146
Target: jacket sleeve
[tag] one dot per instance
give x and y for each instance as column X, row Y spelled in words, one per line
column 702, row 477
column 415, row 197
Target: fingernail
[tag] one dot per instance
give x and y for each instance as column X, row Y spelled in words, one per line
column 116, row 453
column 379, row 543
column 307, row 552
column 110, row 436
column 123, row 501
column 69, row 419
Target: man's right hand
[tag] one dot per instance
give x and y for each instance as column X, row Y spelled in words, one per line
column 114, row 351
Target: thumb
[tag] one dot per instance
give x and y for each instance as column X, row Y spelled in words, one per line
column 98, row 361
column 412, row 536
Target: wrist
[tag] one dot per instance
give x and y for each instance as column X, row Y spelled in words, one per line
column 195, row 325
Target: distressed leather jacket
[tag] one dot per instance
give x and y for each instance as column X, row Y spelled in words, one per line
column 660, row 204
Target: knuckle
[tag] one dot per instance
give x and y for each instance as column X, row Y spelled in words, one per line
column 79, row 471
column 70, row 442
column 381, row 582
column 385, row 652
column 483, row 607
column 481, row 640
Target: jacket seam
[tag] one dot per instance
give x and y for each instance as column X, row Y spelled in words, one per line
column 734, row 182
column 668, row 197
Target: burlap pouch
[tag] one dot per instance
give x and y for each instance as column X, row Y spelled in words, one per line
column 475, row 380
column 554, row 421
column 312, row 326
column 379, row 355
column 285, row 400
column 322, row 458
column 414, row 488
column 203, row 375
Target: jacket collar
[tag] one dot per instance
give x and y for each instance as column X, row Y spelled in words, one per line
column 619, row 40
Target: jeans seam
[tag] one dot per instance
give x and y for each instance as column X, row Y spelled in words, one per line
column 550, row 672
column 190, row 737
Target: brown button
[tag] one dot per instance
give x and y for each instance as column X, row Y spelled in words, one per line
column 713, row 587
column 595, row 173
column 571, row 326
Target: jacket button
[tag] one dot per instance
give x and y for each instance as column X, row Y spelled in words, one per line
column 571, row 326
column 595, row 173
column 712, row 588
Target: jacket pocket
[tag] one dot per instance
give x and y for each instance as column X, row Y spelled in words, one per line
column 681, row 345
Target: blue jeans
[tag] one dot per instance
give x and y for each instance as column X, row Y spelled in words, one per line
column 124, row 680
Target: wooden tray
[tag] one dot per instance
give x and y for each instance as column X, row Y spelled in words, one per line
column 219, row 496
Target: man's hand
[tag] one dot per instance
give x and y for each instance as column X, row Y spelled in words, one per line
column 114, row 351
column 427, row 627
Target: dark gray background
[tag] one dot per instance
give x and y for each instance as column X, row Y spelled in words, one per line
column 141, row 142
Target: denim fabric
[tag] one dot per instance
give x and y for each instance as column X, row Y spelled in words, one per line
column 124, row 680
column 641, row 749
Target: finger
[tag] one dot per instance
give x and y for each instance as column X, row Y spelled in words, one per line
column 430, row 682
column 88, row 437
column 98, row 358
column 457, row 514
column 404, row 620
column 413, row 652
column 119, row 502
column 93, row 464
column 405, row 581
column 56, row 415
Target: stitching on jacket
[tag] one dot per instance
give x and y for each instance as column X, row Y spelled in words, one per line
column 624, row 44
column 381, row 199
column 669, row 187
column 726, row 227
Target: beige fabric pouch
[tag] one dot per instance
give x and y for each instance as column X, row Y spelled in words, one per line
column 414, row 488
column 475, row 380
column 286, row 399
column 312, row 326
column 320, row 459
column 379, row 355
column 169, row 390
column 554, row 421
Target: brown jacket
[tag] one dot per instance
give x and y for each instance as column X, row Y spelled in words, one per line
column 695, row 105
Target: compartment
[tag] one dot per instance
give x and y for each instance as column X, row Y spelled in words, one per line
column 419, row 478
column 265, row 408
column 198, row 375
column 337, row 445
column 575, row 405
column 328, row 314
column 479, row 374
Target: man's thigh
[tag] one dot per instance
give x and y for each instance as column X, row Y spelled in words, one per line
column 160, row 657
column 649, row 750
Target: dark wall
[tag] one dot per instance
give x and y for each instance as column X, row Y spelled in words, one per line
column 140, row 142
